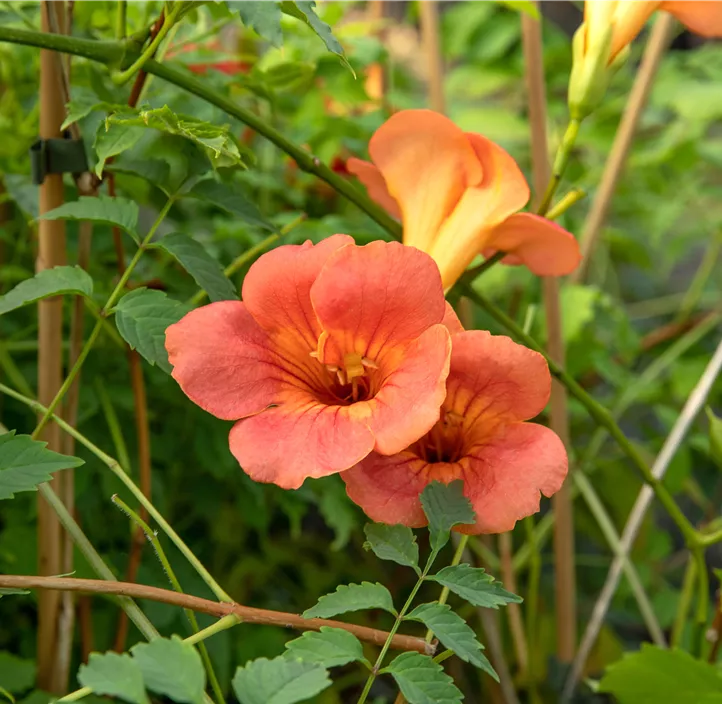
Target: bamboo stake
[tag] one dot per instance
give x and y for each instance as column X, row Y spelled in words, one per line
column 565, row 582
column 657, row 44
column 429, row 16
column 51, row 252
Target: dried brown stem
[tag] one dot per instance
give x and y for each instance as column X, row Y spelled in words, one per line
column 513, row 611
column 51, row 252
column 658, row 40
column 429, row 16
column 246, row 614
column 565, row 582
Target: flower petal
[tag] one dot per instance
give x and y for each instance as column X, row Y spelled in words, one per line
column 502, row 191
column 300, row 438
column 504, row 477
column 408, row 402
column 703, row 18
column 277, row 288
column 544, row 247
column 494, row 380
column 381, row 294
column 221, row 359
column 451, row 321
column 388, row 488
column 371, row 177
column 427, row 163
column 628, row 21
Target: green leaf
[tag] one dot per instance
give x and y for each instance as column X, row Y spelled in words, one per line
column 279, row 681
column 231, row 200
column 445, row 506
column 16, row 674
column 422, row 681
column 453, row 632
column 142, row 317
column 4, row 692
column 172, row 668
column 217, row 142
column 112, row 139
column 291, row 75
column 102, row 210
column 25, row 463
column 526, row 6
column 9, row 591
column 264, row 18
column 475, row 585
column 352, row 597
column 395, row 543
column 715, row 437
column 80, row 108
column 653, row 675
column 303, row 10
column 206, row 270
column 115, row 675
column 50, row 282
column 330, row 647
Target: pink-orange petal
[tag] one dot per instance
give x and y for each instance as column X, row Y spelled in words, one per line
column 703, row 18
column 388, row 488
column 544, row 247
column 492, row 378
column 277, row 288
column 427, row 163
column 408, row 402
column 504, row 478
column 221, row 360
column 381, row 294
column 371, row 177
column 451, row 321
column 298, row 439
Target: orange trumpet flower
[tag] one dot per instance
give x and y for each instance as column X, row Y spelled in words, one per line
column 610, row 26
column 494, row 386
column 336, row 351
column 458, row 195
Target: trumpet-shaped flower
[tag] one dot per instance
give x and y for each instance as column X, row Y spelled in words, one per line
column 458, row 195
column 600, row 44
column 494, row 386
column 336, row 351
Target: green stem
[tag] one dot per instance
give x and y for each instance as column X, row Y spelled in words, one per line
column 119, row 472
column 152, row 538
column 560, row 164
column 701, row 276
column 598, row 412
column 455, row 560
column 699, row 642
column 168, row 21
column 685, row 599
column 121, row 19
column 76, row 695
column 107, row 53
column 570, row 199
column 114, row 296
column 223, row 624
column 111, row 418
column 89, row 552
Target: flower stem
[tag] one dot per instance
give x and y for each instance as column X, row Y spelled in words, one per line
column 561, row 161
column 152, row 537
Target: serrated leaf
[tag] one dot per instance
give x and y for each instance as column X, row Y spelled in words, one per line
column 142, row 317
column 80, row 108
column 231, row 200
column 352, row 597
column 17, row 675
column 422, row 681
column 654, row 675
column 101, row 209
column 715, row 437
column 115, row 675
column 172, row 668
column 25, row 463
column 57, row 281
column 279, row 681
column 112, row 139
column 206, row 270
column 304, row 11
column 475, row 585
column 453, row 632
column 445, row 506
column 395, row 543
column 219, row 145
column 264, row 18
column 331, row 647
